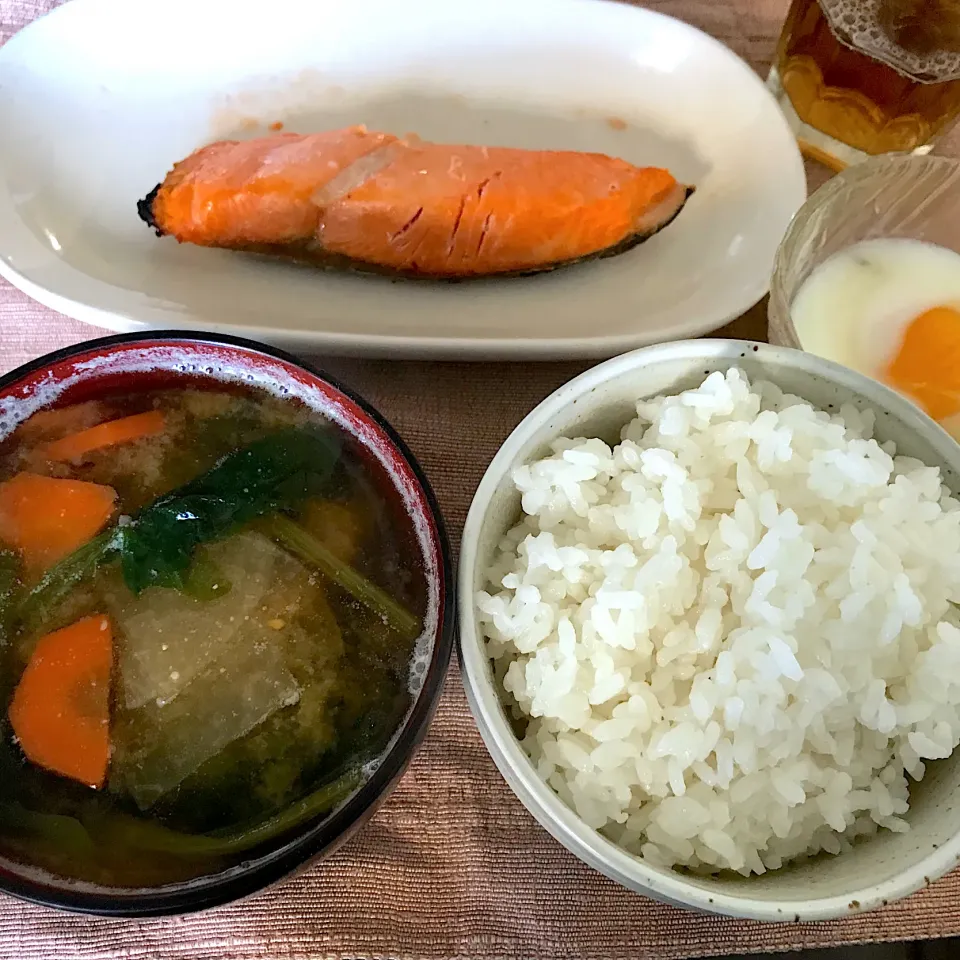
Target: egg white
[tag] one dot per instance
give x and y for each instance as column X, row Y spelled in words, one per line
column 855, row 306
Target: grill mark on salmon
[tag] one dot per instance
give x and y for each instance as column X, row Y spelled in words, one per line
column 362, row 200
column 407, row 225
column 483, row 232
column 456, row 227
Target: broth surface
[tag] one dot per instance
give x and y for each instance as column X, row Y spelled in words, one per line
column 249, row 689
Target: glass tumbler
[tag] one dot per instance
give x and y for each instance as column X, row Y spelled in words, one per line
column 857, row 78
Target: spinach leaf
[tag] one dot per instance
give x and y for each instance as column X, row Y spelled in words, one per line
column 204, row 580
column 156, row 548
column 148, row 835
column 64, row 834
column 270, row 474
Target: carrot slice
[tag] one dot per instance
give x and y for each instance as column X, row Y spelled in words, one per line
column 58, row 422
column 46, row 518
column 60, row 711
column 108, row 434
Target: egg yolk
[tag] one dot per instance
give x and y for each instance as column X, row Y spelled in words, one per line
column 927, row 366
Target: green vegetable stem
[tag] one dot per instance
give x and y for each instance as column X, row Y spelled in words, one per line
column 64, row 575
column 311, row 551
column 9, row 585
column 9, row 574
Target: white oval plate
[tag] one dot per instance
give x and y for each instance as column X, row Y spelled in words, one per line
column 99, row 98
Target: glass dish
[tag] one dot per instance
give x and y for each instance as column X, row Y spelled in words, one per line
column 897, row 195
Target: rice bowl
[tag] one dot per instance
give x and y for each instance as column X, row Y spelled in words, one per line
column 737, row 690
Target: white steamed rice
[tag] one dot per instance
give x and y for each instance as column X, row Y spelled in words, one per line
column 733, row 634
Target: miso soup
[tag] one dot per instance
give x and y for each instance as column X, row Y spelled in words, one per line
column 209, row 604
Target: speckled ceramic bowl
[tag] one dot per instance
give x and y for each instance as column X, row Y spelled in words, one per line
column 597, row 403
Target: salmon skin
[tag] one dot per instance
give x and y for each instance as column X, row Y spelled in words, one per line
column 363, row 200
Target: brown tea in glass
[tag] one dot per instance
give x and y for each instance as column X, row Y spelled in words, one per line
column 862, row 77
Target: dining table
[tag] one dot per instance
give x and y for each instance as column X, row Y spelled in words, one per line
column 452, row 865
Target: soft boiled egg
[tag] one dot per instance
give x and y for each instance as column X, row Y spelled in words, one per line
column 890, row 309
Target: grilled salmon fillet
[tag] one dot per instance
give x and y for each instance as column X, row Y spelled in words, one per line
column 357, row 198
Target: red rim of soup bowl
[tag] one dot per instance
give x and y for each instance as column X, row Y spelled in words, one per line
column 149, row 360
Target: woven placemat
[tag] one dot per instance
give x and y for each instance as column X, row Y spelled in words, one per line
column 452, row 865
